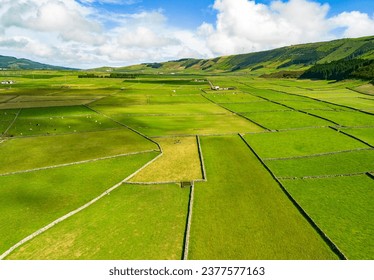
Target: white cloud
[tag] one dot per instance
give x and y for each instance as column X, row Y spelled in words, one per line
column 356, row 24
column 82, row 34
column 244, row 26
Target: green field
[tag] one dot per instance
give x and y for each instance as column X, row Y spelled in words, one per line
column 364, row 134
column 59, row 120
column 136, row 231
column 179, row 162
column 286, row 120
column 336, row 164
column 297, row 143
column 188, row 125
column 54, row 150
column 343, row 208
column 66, row 140
column 244, row 215
column 32, row 200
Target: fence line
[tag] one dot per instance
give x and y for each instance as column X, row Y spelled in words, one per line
column 59, row 220
column 324, row 176
column 75, row 163
column 188, row 224
column 328, row 241
column 318, row 155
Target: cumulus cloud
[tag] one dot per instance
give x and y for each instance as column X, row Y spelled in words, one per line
column 355, row 24
column 80, row 33
column 245, row 26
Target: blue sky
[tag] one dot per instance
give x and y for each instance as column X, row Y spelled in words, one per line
column 91, row 33
column 190, row 14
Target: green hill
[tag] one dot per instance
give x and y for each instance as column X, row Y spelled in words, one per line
column 8, row 62
column 291, row 58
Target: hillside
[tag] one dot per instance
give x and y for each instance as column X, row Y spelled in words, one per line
column 297, row 57
column 8, row 62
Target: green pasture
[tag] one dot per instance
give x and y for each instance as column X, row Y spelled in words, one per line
column 30, row 201
column 261, row 106
column 304, row 142
column 331, row 94
column 42, row 98
column 347, row 118
column 164, row 109
column 38, row 104
column 60, row 125
column 46, row 151
column 343, row 208
column 231, row 97
column 188, row 125
column 335, row 164
column 177, row 99
column 310, row 105
column 120, row 100
column 7, row 114
column 179, row 162
column 278, row 120
column 241, row 212
column 274, row 95
column 133, row 222
column 364, row 134
column 71, row 111
column 55, row 120
column 354, row 102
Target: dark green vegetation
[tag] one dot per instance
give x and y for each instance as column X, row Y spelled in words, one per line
column 296, row 182
column 341, row 69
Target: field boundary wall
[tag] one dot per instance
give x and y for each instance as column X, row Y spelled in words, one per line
column 68, row 215
column 327, row 240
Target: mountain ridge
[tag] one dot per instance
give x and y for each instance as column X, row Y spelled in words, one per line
column 13, row 63
column 294, row 57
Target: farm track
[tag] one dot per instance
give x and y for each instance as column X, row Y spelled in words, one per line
column 75, row 163
column 72, row 213
column 324, row 236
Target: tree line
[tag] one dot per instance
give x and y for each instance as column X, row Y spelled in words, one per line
column 341, row 69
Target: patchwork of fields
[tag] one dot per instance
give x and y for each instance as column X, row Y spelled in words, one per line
column 164, row 167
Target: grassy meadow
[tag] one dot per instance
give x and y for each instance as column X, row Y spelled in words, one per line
column 64, row 140
column 241, row 212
